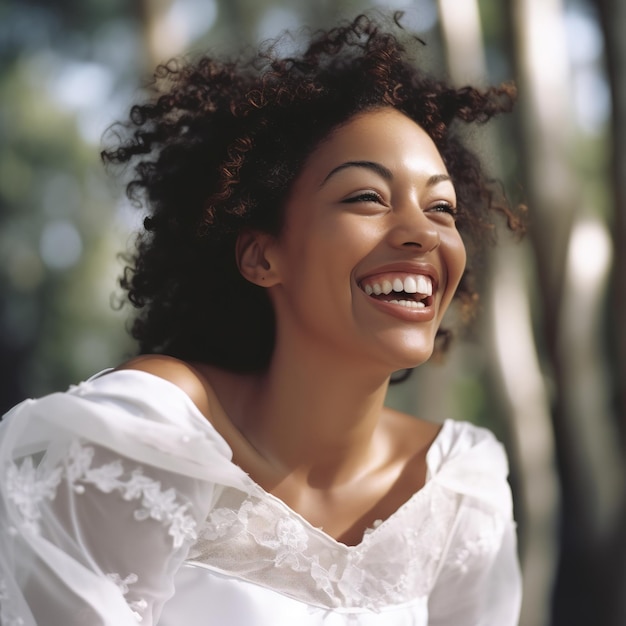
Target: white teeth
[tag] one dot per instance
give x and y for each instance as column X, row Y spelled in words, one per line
column 408, row 304
column 424, row 285
column 410, row 285
column 418, row 283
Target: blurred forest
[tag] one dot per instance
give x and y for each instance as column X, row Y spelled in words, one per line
column 544, row 364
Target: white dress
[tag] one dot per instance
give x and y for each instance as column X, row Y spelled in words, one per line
column 119, row 505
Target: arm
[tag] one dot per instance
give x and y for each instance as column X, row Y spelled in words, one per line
column 480, row 583
column 100, row 496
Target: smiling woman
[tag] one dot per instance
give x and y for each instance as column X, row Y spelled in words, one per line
column 309, row 223
column 379, row 221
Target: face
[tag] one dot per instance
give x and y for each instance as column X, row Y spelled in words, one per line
column 369, row 257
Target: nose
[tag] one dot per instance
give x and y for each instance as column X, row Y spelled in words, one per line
column 413, row 229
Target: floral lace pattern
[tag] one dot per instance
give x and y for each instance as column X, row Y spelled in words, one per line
column 28, row 487
column 123, row 584
column 482, row 544
column 81, row 515
column 397, row 561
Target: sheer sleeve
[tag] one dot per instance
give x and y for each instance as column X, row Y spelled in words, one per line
column 101, row 491
column 484, row 592
column 479, row 582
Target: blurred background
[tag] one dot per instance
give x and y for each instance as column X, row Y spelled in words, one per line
column 544, row 364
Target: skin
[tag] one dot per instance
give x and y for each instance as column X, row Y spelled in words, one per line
column 373, row 198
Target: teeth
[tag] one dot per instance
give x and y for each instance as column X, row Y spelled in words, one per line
column 424, row 285
column 409, row 304
column 417, row 283
column 410, row 284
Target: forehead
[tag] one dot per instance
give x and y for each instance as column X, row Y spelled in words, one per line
column 385, row 136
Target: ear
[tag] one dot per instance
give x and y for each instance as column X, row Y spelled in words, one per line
column 255, row 258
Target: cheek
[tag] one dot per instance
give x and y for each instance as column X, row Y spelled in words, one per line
column 458, row 254
column 455, row 259
column 340, row 243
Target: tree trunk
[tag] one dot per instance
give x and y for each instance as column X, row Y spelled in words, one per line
column 590, row 466
column 521, row 401
column 612, row 15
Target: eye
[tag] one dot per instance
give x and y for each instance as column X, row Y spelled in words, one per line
column 367, row 196
column 444, row 207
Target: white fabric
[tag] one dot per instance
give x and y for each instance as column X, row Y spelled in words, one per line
column 119, row 505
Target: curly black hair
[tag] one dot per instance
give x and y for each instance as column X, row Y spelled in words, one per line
column 217, row 147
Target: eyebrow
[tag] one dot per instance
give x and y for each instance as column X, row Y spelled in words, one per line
column 382, row 171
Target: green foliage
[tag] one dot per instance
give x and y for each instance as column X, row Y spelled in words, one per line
column 56, row 324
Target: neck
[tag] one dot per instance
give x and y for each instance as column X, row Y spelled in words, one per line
column 316, row 416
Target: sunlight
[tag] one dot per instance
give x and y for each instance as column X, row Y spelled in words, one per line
column 175, row 29
column 592, row 97
column 589, row 255
column 527, row 393
column 543, row 38
column 463, row 35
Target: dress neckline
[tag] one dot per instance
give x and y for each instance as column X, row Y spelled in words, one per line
column 370, row 533
column 255, row 487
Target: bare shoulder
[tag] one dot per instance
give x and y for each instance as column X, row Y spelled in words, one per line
column 408, row 441
column 410, row 433
column 180, row 373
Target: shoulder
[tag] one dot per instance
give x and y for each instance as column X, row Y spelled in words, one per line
column 133, row 412
column 409, row 434
column 181, row 374
column 162, row 391
column 446, row 442
column 458, row 439
column 470, row 461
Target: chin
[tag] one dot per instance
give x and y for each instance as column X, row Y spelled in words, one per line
column 413, row 356
column 404, row 350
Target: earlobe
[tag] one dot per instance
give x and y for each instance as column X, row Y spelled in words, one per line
column 255, row 259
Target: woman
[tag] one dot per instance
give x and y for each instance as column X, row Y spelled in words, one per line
column 307, row 227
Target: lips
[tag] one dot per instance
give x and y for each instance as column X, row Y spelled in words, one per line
column 409, row 290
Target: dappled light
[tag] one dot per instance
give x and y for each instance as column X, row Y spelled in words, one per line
column 60, row 246
column 540, row 365
column 529, row 399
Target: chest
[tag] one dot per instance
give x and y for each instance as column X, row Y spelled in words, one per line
column 347, row 512
column 258, row 538
column 255, row 537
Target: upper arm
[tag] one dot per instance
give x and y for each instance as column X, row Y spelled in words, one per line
column 111, row 526
column 479, row 583
column 101, row 492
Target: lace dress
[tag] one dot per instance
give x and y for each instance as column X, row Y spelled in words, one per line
column 120, row 505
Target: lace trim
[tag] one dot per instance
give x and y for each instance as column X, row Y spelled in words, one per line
column 123, row 584
column 8, row 615
column 28, row 487
column 256, row 539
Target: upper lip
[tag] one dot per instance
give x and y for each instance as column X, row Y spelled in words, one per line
column 406, row 267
